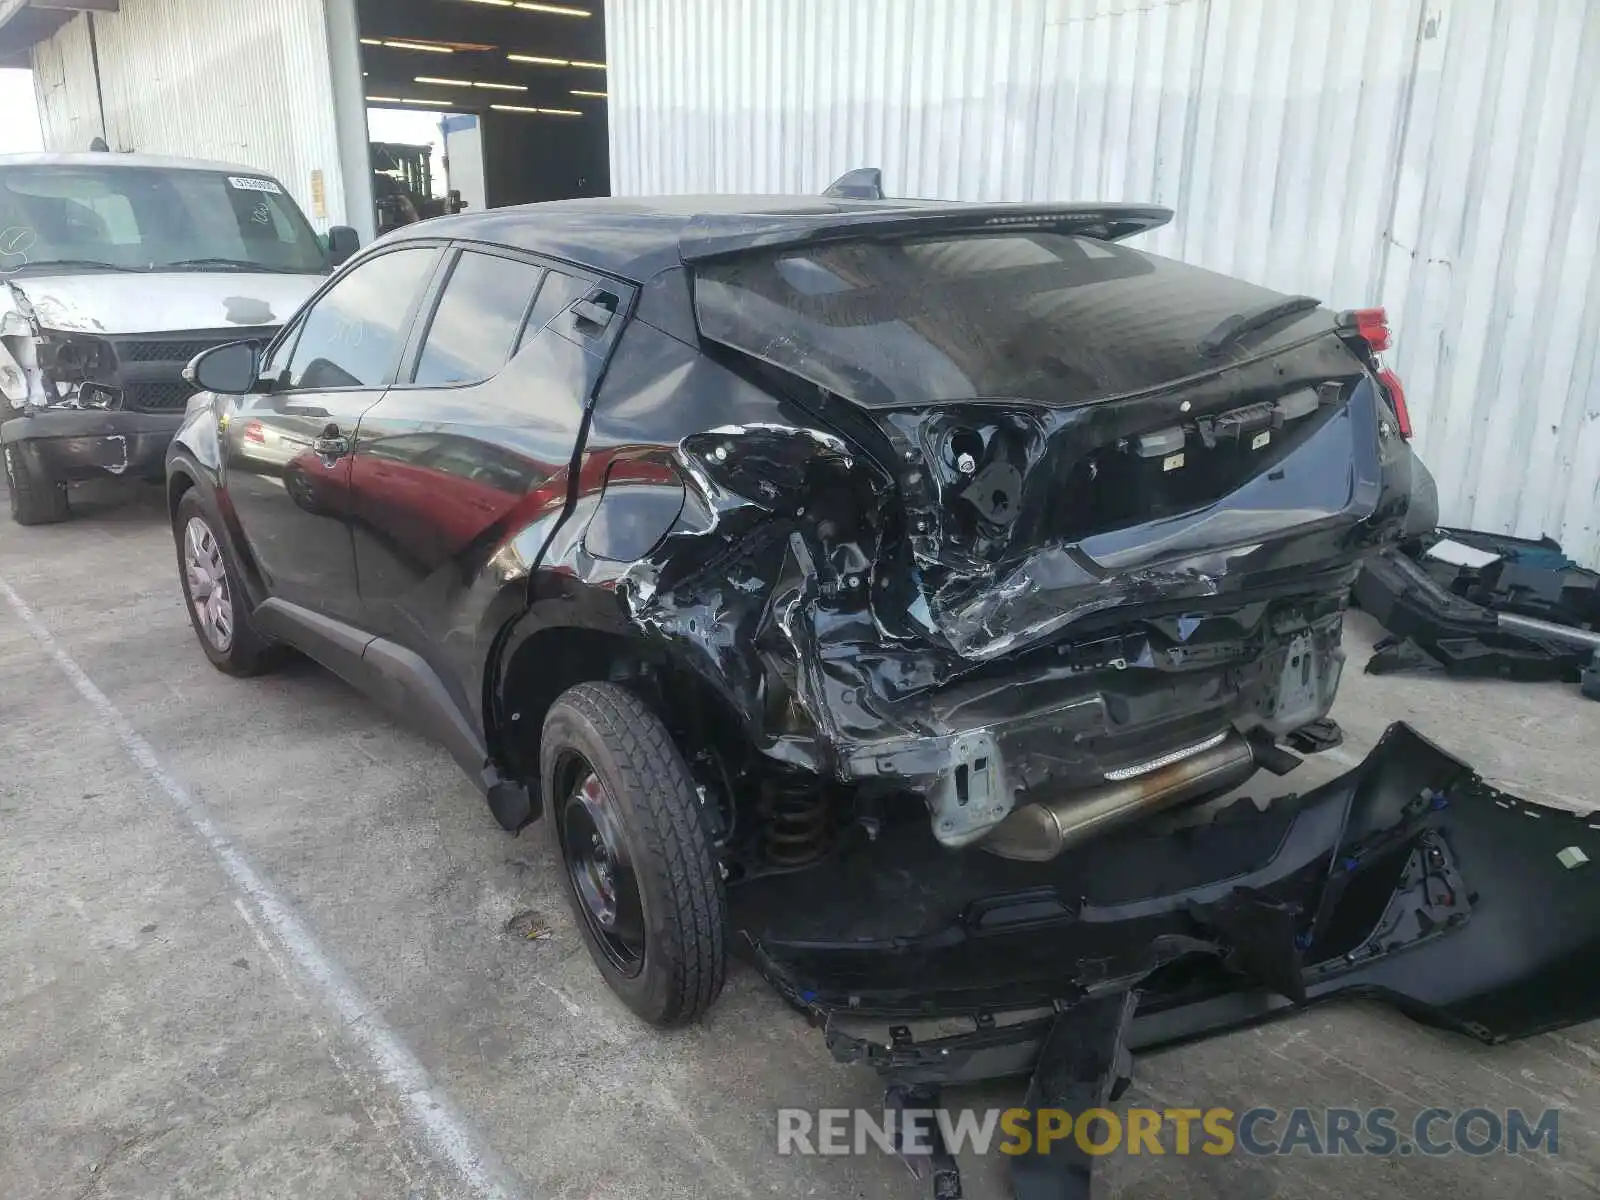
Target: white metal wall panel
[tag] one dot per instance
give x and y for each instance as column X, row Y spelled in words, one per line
column 225, row 79
column 1493, row 274
column 1442, row 156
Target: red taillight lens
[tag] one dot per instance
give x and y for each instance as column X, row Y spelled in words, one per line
column 1371, row 325
column 1397, row 397
column 253, row 433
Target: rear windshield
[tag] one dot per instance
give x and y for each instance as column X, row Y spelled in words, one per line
column 151, row 219
column 1041, row 316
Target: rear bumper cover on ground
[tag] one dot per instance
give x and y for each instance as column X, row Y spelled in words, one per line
column 1408, row 879
column 71, row 445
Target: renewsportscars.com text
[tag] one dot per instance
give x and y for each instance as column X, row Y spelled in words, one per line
column 1213, row 1131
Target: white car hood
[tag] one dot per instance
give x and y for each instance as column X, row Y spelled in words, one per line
column 114, row 303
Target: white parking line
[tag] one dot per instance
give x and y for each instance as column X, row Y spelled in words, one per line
column 430, row 1109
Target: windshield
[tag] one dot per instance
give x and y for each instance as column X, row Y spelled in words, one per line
column 151, row 219
column 1043, row 316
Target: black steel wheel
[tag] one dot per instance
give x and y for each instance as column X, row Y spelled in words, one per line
column 623, row 814
column 598, row 866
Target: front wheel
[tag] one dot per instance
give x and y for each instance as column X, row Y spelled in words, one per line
column 35, row 499
column 218, row 608
column 624, row 817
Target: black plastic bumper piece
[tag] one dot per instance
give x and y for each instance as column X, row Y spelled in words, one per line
column 1591, row 677
column 1083, row 1064
column 72, row 445
column 1430, row 624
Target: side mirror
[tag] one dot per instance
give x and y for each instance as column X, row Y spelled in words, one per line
column 229, row 369
column 343, row 242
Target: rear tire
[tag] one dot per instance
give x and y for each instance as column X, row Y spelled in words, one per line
column 36, row 499
column 612, row 775
column 217, row 602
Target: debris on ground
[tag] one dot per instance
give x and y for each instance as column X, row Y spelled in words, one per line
column 529, row 926
column 1476, row 604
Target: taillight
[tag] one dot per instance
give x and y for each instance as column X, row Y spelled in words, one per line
column 1397, row 397
column 254, row 433
column 1370, row 327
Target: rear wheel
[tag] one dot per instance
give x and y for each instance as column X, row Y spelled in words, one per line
column 624, row 816
column 217, row 606
column 36, row 499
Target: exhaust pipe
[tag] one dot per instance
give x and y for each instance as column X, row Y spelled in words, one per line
column 1038, row 832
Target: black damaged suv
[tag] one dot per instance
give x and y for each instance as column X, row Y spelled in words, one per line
column 817, row 568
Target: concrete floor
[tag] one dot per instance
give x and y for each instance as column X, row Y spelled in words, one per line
column 161, row 1035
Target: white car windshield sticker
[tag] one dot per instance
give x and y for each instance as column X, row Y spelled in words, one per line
column 247, row 183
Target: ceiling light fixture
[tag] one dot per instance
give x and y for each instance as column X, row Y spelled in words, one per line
column 595, row 95
column 471, row 83
column 593, row 66
column 534, row 58
column 560, row 10
column 546, row 112
column 406, row 100
column 408, row 46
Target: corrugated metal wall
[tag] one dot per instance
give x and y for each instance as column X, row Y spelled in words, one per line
column 226, row 79
column 1442, row 156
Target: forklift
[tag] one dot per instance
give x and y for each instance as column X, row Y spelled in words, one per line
column 402, row 186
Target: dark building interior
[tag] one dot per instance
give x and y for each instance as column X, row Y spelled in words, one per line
column 534, row 74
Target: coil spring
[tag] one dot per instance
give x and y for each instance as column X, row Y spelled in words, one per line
column 797, row 828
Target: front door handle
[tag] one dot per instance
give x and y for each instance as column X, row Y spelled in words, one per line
column 331, row 444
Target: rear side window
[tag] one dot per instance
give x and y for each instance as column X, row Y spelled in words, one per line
column 475, row 327
column 559, row 291
column 1019, row 315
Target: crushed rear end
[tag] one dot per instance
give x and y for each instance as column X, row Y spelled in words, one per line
column 1056, row 535
column 1053, row 559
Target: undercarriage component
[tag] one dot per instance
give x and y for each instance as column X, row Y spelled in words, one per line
column 796, row 822
column 1317, row 736
column 1040, row 831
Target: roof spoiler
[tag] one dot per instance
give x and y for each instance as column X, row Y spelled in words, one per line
column 864, row 183
column 712, row 235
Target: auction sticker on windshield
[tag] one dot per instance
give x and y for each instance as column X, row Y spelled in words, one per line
column 250, row 184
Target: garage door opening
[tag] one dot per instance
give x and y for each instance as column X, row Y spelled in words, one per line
column 514, row 92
